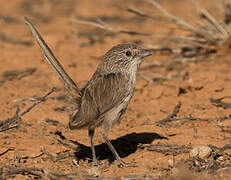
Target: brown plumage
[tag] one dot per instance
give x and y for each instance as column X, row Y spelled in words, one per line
column 105, row 97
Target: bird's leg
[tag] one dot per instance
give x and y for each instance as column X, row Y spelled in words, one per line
column 120, row 161
column 91, row 135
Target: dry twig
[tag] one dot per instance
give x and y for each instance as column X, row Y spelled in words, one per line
column 218, row 102
column 13, row 122
column 173, row 118
column 59, row 157
column 34, row 173
column 102, row 25
column 6, row 151
column 166, row 148
column 199, row 41
column 207, row 16
column 180, row 22
column 61, row 139
column 142, row 14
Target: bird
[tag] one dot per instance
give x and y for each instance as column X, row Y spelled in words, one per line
column 105, row 97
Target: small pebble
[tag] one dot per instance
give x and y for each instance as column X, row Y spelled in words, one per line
column 202, row 151
column 221, row 158
column 170, row 162
column 94, row 171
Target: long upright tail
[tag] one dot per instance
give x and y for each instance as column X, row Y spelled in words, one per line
column 51, row 59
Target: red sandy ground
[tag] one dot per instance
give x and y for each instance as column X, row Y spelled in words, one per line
column 71, row 43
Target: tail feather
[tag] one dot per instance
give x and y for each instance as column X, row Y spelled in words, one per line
column 69, row 84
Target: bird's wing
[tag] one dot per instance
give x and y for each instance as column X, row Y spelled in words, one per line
column 101, row 94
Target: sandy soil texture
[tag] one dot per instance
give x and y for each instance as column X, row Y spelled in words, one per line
column 176, row 106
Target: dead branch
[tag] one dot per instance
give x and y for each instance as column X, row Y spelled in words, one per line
column 185, row 26
column 142, row 14
column 175, row 110
column 201, row 163
column 224, row 148
column 102, row 25
column 197, row 164
column 6, row 151
column 51, row 121
column 202, row 40
column 166, row 148
column 39, row 100
column 33, row 157
column 173, row 118
column 131, row 177
column 180, row 22
column 13, row 171
column 66, row 143
column 59, row 157
column 184, row 119
column 224, row 130
column 36, row 173
column 13, row 122
column 207, row 16
column 218, row 102
column 62, row 140
column 58, row 175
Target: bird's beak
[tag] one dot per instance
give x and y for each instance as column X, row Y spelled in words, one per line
column 145, row 52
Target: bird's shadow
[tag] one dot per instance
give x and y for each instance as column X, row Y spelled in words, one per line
column 124, row 146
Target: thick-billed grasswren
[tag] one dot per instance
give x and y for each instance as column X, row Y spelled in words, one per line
column 105, row 97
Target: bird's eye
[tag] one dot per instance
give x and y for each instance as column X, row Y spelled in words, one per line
column 128, row 53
